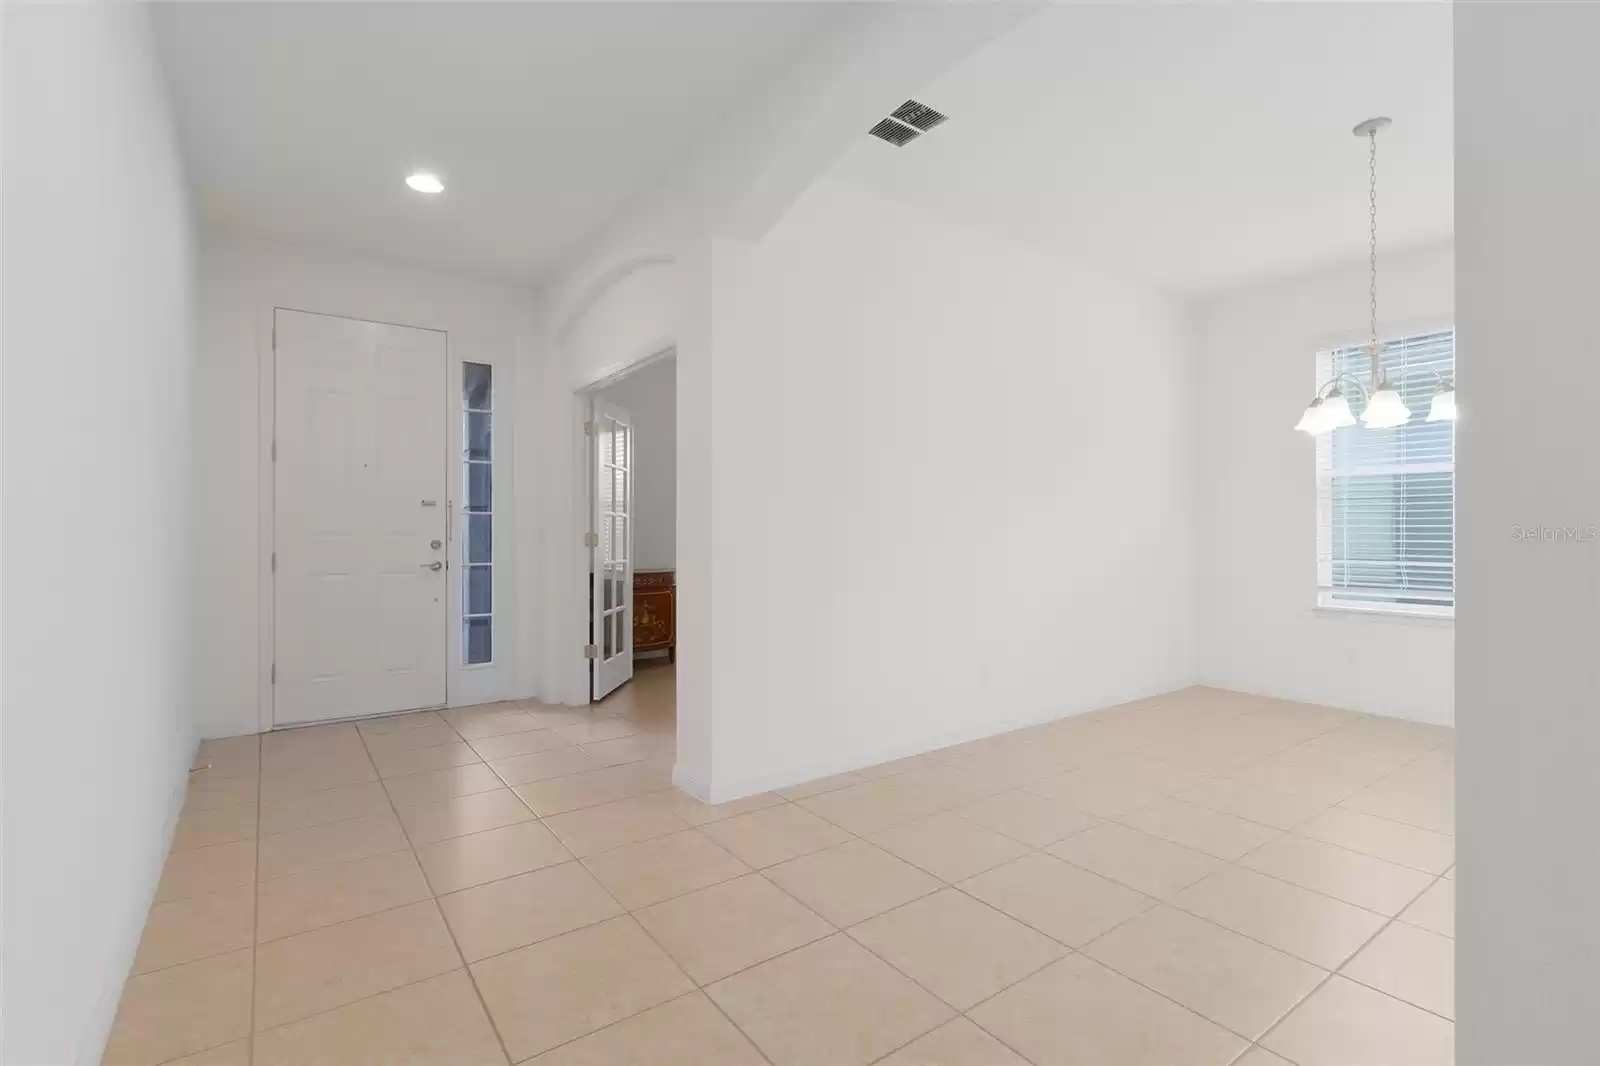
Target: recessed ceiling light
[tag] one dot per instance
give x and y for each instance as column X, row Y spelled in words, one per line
column 422, row 181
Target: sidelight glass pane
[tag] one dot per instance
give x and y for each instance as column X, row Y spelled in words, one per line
column 478, row 640
column 479, row 589
column 476, row 388
column 477, row 435
column 480, row 538
column 480, row 487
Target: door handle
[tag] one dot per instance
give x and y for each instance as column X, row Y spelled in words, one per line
column 433, row 566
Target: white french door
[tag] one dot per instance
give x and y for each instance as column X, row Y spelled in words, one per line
column 360, row 517
column 611, row 548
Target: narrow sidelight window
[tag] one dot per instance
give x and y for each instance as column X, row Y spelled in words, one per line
column 477, row 539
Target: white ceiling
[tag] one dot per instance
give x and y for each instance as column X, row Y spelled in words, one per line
column 1194, row 147
column 301, row 120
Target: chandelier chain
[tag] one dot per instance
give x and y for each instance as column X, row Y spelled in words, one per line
column 1372, row 236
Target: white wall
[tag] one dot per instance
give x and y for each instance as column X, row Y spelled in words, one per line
column 98, row 727
column 242, row 279
column 1528, row 625
column 1260, row 629
column 650, row 395
column 640, row 288
column 950, row 490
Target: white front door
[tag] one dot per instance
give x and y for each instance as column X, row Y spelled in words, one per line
column 611, row 556
column 360, row 483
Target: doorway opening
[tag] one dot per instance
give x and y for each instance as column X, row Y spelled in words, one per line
column 631, row 455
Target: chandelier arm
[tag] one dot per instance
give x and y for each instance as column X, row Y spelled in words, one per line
column 1333, row 383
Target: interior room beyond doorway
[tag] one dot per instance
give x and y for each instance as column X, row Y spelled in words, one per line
column 635, row 521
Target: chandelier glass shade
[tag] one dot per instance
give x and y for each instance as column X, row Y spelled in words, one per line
column 1385, row 408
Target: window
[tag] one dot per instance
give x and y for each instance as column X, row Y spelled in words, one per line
column 477, row 534
column 1386, row 497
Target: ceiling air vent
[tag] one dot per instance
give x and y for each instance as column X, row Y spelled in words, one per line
column 909, row 121
column 919, row 115
column 896, row 133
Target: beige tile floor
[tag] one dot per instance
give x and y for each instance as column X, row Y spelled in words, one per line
column 1202, row 878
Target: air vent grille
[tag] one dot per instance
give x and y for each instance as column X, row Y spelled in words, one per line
column 908, row 122
column 896, row 133
column 919, row 115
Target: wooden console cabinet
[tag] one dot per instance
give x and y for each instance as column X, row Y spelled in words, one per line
column 655, row 612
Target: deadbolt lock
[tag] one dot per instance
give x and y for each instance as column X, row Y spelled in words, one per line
column 435, row 544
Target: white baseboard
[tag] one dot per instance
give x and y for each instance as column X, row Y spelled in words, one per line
column 724, row 791
column 1422, row 716
column 690, row 784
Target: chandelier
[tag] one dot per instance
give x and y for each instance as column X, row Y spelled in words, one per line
column 1382, row 405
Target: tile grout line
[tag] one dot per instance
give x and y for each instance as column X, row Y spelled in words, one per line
column 255, row 913
column 433, row 897
column 626, row 912
column 1032, row 848
column 852, row 834
column 1338, row 971
column 1330, row 973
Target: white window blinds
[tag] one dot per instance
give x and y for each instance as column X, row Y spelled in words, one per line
column 1386, row 497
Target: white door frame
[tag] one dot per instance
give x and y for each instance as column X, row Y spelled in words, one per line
column 464, row 685
column 582, row 399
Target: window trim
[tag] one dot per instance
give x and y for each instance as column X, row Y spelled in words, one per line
column 1421, row 612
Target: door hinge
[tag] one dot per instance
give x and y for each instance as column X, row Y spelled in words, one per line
column 274, row 449
column 274, row 562
column 274, row 673
column 590, row 429
column 591, row 652
column 591, row 540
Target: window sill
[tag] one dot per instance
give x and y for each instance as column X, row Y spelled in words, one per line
column 1397, row 614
